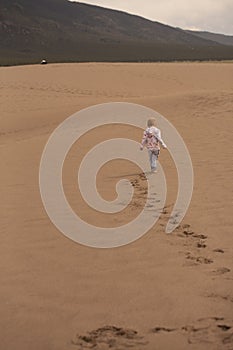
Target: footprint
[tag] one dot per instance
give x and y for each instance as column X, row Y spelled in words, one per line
column 218, row 250
column 188, row 232
column 228, row 340
column 186, row 226
column 198, row 259
column 201, row 236
column 221, row 271
column 224, row 327
column 149, row 206
column 185, row 230
column 201, row 244
column 143, row 176
column 110, row 337
column 135, row 183
column 162, row 329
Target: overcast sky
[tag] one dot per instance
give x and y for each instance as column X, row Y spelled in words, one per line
column 211, row 15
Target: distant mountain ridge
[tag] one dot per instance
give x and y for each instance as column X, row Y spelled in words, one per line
column 218, row 38
column 60, row 31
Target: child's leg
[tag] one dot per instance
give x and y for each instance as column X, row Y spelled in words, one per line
column 153, row 160
column 150, row 157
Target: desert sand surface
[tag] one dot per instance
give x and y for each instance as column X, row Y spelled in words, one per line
column 160, row 292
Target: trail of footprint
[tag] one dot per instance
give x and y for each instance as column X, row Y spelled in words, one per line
column 198, row 242
column 196, row 245
column 110, row 337
column 212, row 330
column 194, row 242
column 215, row 331
column 198, row 259
column 141, row 191
column 228, row 298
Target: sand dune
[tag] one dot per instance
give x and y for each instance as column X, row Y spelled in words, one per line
column 160, row 292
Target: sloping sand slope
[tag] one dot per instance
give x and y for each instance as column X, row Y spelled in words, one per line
column 174, row 290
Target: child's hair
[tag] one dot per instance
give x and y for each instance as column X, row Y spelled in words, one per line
column 151, row 122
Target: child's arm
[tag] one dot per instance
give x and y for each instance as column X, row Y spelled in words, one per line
column 143, row 140
column 159, row 138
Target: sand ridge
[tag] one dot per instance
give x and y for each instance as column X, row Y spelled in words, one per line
column 162, row 291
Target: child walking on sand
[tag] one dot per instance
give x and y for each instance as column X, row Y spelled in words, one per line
column 151, row 139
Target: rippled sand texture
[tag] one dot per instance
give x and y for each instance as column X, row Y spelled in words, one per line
column 161, row 292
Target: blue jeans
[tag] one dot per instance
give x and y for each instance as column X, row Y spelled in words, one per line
column 153, row 156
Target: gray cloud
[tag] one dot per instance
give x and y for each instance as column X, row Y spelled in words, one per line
column 210, row 15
